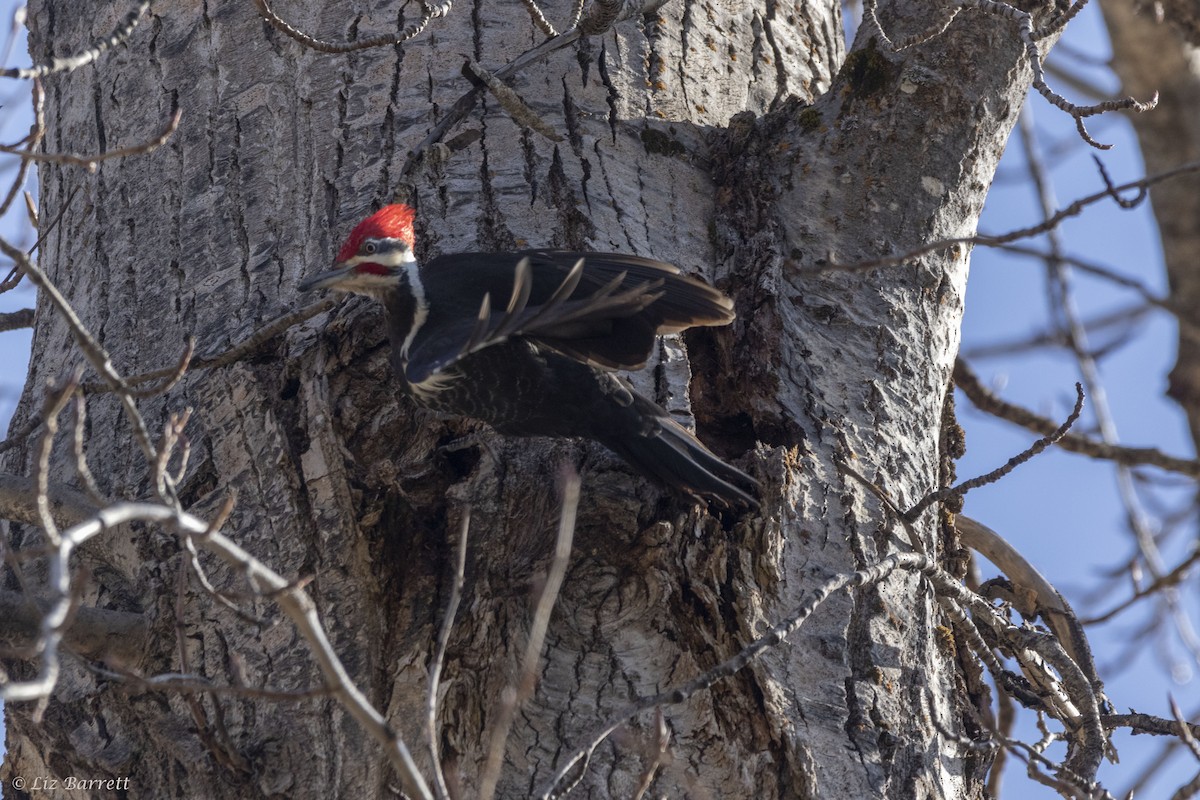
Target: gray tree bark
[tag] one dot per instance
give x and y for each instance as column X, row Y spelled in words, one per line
column 734, row 139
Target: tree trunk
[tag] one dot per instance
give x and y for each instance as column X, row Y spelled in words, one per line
column 686, row 135
column 1152, row 57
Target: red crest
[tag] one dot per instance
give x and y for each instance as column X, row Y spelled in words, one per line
column 390, row 222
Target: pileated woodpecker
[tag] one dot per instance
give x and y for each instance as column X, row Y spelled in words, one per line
column 527, row 342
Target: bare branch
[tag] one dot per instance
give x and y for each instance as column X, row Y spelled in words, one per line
column 659, row 756
column 1047, row 224
column 18, row 502
column 56, row 399
column 576, row 14
column 968, row 381
column 217, row 744
column 577, row 761
column 15, row 320
column 68, row 63
column 539, row 19
column 117, row 636
column 1123, row 320
column 914, row 537
column 293, row 601
column 22, row 433
column 511, row 102
column 387, row 40
column 91, row 348
column 439, row 658
column 1036, row 596
column 991, row 477
column 513, row 697
column 91, row 162
column 185, row 683
column 1147, row 723
column 81, row 462
column 174, row 377
column 1185, row 730
column 1169, row 580
column 1186, row 314
column 602, row 15
column 1060, row 22
column 1029, row 38
column 871, row 18
column 1031, row 648
column 236, row 353
column 36, row 131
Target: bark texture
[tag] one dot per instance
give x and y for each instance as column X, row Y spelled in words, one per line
column 282, row 150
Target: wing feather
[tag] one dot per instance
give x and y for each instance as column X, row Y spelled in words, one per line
column 600, row 309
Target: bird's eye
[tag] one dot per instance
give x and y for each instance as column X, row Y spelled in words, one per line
column 369, row 248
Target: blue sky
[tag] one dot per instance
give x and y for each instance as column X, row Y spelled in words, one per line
column 1060, row 510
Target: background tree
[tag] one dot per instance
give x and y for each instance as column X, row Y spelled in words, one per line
column 721, row 141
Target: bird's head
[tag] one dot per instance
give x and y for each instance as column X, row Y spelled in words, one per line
column 374, row 257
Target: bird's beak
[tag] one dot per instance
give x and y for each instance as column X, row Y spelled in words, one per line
column 329, row 278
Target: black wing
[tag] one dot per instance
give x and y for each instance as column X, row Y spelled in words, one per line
column 598, row 308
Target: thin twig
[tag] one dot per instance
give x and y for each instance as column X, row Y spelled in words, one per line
column 1029, row 38
column 514, row 697
column 68, row 63
column 991, row 477
column 81, row 462
column 15, row 320
column 985, row 400
column 57, row 398
column 511, row 102
column 294, row 602
column 18, row 502
column 238, row 352
column 1047, row 602
column 599, row 19
column 662, row 744
column 439, row 658
column 36, row 131
column 233, row 354
column 186, row 683
column 175, row 376
column 1049, row 223
column 1122, row 318
column 577, row 761
column 914, row 535
column 387, row 40
column 539, row 19
column 91, row 348
column 1185, row 729
column 92, row 161
column 1186, row 314
column 1168, row 580
column 99, row 633
column 221, row 751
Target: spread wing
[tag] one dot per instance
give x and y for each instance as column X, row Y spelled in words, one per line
column 600, row 309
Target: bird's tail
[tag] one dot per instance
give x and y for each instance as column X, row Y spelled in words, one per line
column 670, row 455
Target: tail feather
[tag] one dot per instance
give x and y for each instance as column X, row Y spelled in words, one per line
column 673, row 457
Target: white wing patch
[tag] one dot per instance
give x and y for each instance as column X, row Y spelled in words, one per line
column 436, row 383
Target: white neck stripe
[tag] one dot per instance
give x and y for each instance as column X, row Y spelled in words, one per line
column 421, row 309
